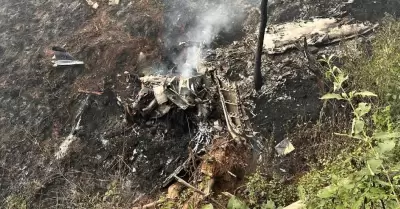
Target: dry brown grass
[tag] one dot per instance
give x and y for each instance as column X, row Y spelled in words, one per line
column 108, row 49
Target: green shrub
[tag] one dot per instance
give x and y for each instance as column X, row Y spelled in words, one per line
column 368, row 177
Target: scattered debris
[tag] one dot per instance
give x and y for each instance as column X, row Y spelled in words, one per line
column 203, row 194
column 60, row 57
column 90, row 92
column 179, row 91
column 64, row 146
column 217, row 125
column 203, row 137
column 236, row 118
column 151, row 205
column 284, row 147
column 113, row 2
column 57, row 63
column 281, row 37
column 161, row 111
column 62, row 152
column 93, row 4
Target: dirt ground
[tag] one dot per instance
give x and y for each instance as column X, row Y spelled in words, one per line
column 40, row 105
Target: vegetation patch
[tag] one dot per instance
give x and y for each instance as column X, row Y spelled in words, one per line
column 361, row 167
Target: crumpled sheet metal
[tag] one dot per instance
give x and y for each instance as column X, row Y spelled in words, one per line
column 279, row 38
column 179, row 91
column 237, row 121
column 57, row 63
column 284, row 147
column 159, row 94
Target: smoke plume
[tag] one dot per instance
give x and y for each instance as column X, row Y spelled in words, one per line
column 199, row 24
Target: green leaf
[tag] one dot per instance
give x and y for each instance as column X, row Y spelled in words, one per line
column 351, row 94
column 208, row 206
column 332, row 96
column 386, row 146
column 365, row 94
column 386, row 135
column 357, row 126
column 383, row 183
column 391, row 204
column 362, row 109
column 235, row 203
column 269, row 205
column 358, row 204
column 339, row 80
column 327, row 192
column 374, row 165
column 347, row 184
column 375, row 193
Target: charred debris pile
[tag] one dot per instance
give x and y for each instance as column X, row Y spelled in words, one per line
column 211, row 102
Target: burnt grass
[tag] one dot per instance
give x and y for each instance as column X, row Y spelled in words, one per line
column 39, row 104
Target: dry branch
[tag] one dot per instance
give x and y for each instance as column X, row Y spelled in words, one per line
column 150, row 205
column 189, row 186
column 90, row 92
column 197, row 190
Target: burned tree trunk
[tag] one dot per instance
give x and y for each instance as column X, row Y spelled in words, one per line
column 263, row 24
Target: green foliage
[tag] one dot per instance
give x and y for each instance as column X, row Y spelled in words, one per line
column 380, row 70
column 177, row 203
column 208, row 206
column 235, row 203
column 370, row 179
column 112, row 193
column 269, row 205
column 261, row 189
column 383, row 120
column 15, row 202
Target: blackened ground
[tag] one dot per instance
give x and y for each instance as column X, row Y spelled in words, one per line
column 39, row 104
column 291, row 92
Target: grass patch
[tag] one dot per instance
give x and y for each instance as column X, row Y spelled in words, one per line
column 379, row 70
column 366, row 177
column 360, row 170
column 15, row 202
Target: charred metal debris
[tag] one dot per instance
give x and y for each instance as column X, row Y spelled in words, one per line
column 203, row 90
column 212, row 102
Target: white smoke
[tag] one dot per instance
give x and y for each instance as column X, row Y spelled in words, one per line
column 211, row 23
column 216, row 19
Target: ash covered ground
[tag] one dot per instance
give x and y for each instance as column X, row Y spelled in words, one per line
column 40, row 106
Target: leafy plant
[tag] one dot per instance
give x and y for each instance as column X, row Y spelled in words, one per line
column 235, row 203
column 15, row 202
column 374, row 184
column 208, row 206
column 261, row 189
